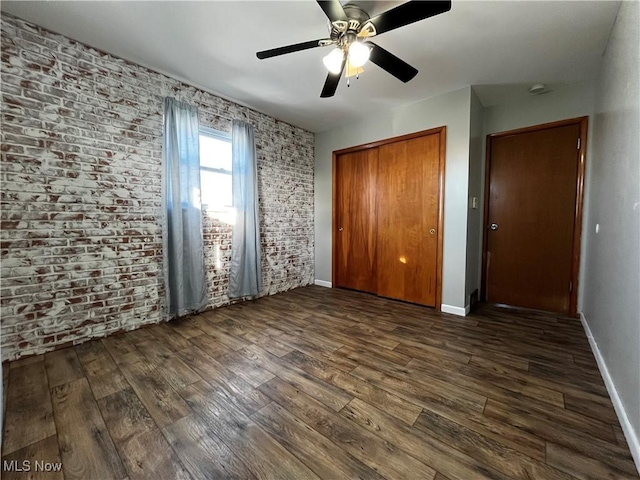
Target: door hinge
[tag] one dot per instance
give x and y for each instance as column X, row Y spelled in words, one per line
column 571, row 285
column 579, row 143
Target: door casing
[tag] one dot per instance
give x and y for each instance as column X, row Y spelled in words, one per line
column 582, row 122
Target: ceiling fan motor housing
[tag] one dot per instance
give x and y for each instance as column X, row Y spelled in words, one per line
column 345, row 32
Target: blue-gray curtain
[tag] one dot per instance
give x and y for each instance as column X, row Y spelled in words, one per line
column 183, row 250
column 245, row 275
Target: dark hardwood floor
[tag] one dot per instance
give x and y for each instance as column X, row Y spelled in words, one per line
column 320, row 383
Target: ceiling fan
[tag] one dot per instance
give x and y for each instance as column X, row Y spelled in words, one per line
column 350, row 30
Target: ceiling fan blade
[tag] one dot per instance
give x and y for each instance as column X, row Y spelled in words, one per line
column 392, row 64
column 274, row 52
column 408, row 13
column 331, row 83
column 333, row 10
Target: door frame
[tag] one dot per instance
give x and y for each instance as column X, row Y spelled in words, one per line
column 442, row 132
column 582, row 122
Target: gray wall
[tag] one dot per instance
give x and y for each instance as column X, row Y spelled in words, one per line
column 611, row 303
column 563, row 102
column 451, row 109
column 1, row 405
column 476, row 186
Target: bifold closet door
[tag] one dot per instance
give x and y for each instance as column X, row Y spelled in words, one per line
column 407, row 220
column 355, row 240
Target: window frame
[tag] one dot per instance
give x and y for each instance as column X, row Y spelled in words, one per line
column 210, row 132
column 223, row 136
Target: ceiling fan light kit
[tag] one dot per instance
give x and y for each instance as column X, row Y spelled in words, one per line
column 358, row 54
column 350, row 30
column 333, row 61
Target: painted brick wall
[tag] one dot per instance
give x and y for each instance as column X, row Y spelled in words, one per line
column 81, row 161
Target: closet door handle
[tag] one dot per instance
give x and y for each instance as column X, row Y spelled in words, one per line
column 340, row 229
column 432, row 231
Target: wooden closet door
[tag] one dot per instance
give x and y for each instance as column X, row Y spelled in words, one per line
column 355, row 239
column 407, row 237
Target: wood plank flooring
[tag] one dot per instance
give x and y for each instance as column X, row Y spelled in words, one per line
column 320, row 383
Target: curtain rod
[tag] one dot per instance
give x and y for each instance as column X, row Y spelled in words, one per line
column 232, row 119
column 195, row 105
column 226, row 118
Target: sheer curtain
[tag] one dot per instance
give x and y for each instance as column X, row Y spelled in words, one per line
column 183, row 249
column 245, row 276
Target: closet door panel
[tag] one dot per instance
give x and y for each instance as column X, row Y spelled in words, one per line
column 407, row 237
column 356, row 179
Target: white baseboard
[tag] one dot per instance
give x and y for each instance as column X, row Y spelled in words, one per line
column 461, row 312
column 322, row 283
column 629, row 433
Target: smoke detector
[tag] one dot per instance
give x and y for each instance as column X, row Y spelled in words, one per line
column 537, row 89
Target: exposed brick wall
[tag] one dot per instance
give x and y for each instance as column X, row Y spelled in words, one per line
column 81, row 161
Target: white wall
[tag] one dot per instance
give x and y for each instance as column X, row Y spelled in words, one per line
column 476, row 185
column 611, row 305
column 451, row 109
column 563, row 102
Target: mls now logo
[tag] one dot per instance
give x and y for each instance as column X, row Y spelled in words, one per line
column 28, row 466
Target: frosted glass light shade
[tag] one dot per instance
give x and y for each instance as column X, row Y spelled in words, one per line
column 358, row 54
column 333, row 61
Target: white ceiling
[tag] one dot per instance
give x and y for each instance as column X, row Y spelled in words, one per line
column 212, row 44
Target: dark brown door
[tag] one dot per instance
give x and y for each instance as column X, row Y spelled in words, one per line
column 408, row 194
column 533, row 182
column 356, row 176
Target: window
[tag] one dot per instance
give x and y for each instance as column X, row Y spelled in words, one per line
column 215, row 170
